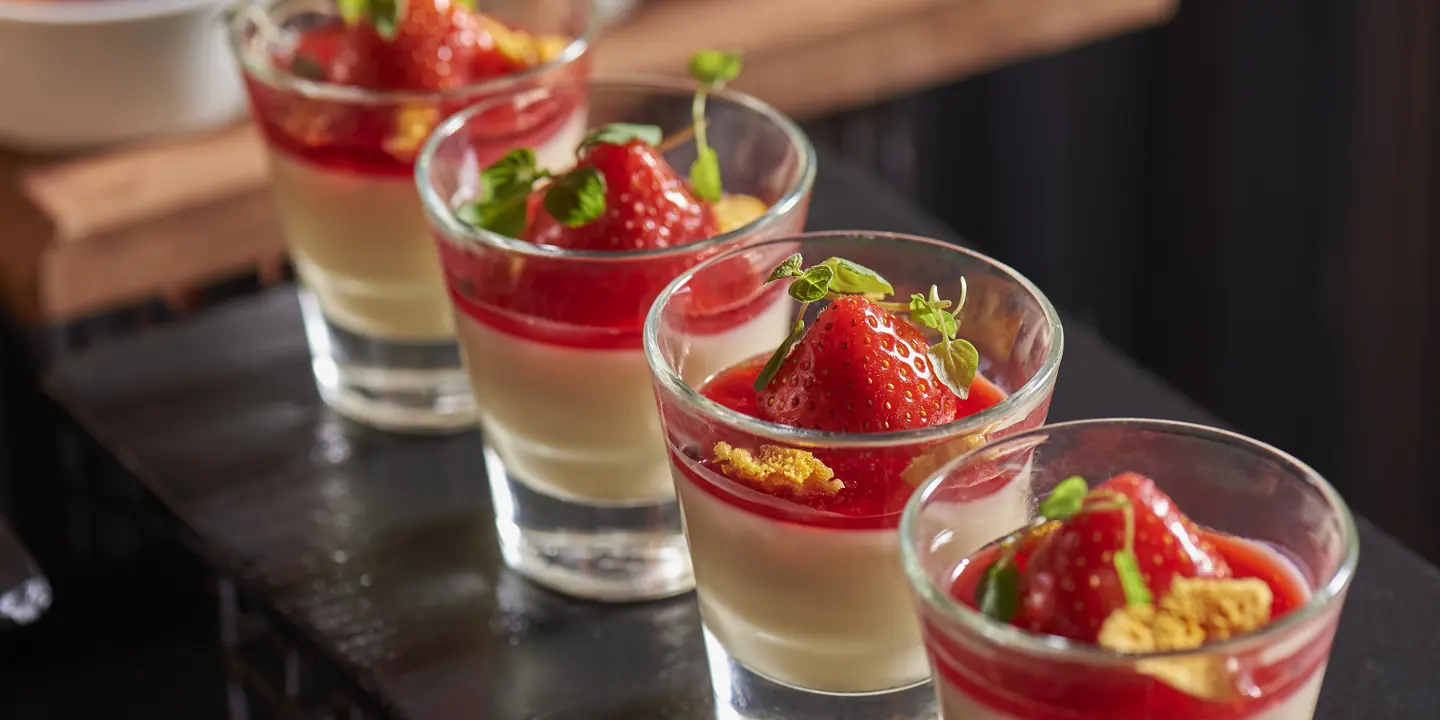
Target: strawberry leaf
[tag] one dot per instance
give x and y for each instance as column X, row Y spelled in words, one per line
column 621, row 133
column 853, row 277
column 713, row 67
column 1131, row 581
column 705, row 175
column 789, row 268
column 772, row 365
column 577, row 197
column 998, row 594
column 955, row 364
column 812, row 285
column 1065, row 500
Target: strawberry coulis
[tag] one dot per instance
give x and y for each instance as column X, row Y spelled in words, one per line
column 1114, row 693
column 353, row 136
column 872, row 503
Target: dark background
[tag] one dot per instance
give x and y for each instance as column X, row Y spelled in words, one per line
column 1243, row 200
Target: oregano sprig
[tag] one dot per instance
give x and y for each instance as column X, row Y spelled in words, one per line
column 712, row 69
column 955, row 359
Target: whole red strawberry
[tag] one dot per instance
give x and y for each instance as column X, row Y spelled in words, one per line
column 647, row 205
column 1070, row 584
column 858, row 369
column 435, row 45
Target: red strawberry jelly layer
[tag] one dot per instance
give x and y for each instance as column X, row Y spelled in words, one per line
column 1015, row 685
column 873, row 501
column 352, row 136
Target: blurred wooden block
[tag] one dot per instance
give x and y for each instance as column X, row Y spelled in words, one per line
column 812, row 57
column 144, row 223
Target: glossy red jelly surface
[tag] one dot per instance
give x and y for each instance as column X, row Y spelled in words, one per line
column 1022, row 686
column 381, row 136
column 875, row 492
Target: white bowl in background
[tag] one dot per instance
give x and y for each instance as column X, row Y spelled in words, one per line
column 85, row 73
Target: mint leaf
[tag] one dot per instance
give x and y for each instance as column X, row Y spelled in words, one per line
column 713, row 67
column 351, row 11
column 621, row 133
column 304, row 67
column 1065, row 500
column 385, row 17
column 1131, row 581
column 789, row 268
column 772, row 365
column 931, row 313
column 853, row 277
column 705, row 175
column 955, row 364
column 515, row 172
column 812, row 285
column 998, row 594
column 503, row 217
column 577, row 197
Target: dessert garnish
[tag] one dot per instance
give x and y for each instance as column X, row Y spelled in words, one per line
column 1122, row 568
column 775, row 468
column 860, row 325
column 621, row 194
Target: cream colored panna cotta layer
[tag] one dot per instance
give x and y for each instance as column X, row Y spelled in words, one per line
column 820, row 608
column 954, row 703
column 580, row 424
column 361, row 244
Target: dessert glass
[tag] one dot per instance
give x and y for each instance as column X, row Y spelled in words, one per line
column 552, row 337
column 1223, row 481
column 342, row 166
column 807, row 613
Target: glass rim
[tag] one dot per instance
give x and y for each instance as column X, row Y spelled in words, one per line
column 1013, row 638
column 458, row 233
column 1043, row 377
column 238, row 12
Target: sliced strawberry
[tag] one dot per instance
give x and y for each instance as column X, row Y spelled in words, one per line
column 858, row 369
column 1069, row 584
column 647, row 205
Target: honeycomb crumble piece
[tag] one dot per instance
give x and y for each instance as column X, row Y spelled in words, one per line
column 778, row 467
column 926, row 464
column 521, row 47
column 736, row 211
column 1196, row 610
column 413, row 124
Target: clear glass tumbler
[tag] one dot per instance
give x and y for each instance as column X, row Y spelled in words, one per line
column 342, row 168
column 807, row 613
column 552, row 337
column 1226, row 483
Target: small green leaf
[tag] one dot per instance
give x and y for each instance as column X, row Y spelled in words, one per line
column 1065, row 500
column 713, row 67
column 504, row 217
column 467, row 4
column 304, row 67
column 515, row 172
column 812, row 285
column 772, row 365
column 998, row 594
column 352, row 11
column 856, row 278
column 621, row 133
column 1131, row 581
column 789, row 268
column 931, row 313
column 577, row 197
column 705, row 175
column 385, row 17
column 955, row 364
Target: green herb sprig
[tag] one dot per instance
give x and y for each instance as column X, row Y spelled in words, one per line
column 574, row 198
column 712, row 69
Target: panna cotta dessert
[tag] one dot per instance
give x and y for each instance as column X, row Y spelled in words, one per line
column 793, row 466
column 551, row 269
column 1111, row 602
column 344, row 102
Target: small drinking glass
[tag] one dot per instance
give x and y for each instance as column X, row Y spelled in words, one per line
column 1226, row 483
column 342, row 167
column 806, row 612
column 552, row 336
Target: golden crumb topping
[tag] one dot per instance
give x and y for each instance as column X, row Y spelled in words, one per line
column 1196, row 610
column 733, row 212
column 521, row 47
column 778, row 467
column 926, row 464
column 413, row 124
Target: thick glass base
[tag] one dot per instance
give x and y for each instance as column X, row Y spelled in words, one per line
column 391, row 385
column 743, row 694
column 607, row 553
